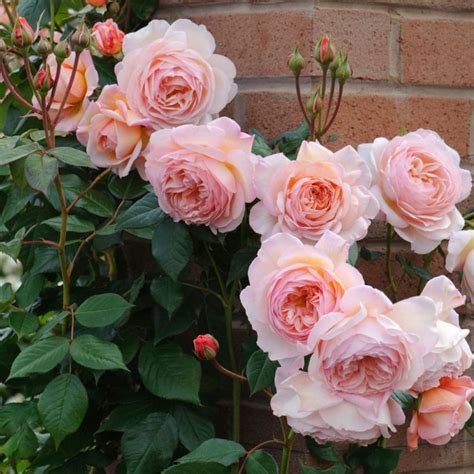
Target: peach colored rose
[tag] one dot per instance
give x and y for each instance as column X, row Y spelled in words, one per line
column 442, row 413
column 97, row 3
column 451, row 356
column 292, row 286
column 461, row 257
column 418, row 182
column 313, row 410
column 320, row 190
column 202, row 174
column 114, row 136
column 85, row 82
column 171, row 75
column 108, row 37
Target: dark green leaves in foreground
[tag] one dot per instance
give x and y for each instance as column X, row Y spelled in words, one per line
column 102, row 310
column 221, row 451
column 62, row 406
column 260, row 371
column 261, row 462
column 169, row 373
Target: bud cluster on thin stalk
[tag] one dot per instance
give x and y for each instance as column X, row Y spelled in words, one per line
column 318, row 113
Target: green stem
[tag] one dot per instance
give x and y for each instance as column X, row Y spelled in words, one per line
column 388, row 263
column 286, row 453
column 52, row 23
column 300, row 100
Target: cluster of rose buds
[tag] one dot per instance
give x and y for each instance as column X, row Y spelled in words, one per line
column 332, row 60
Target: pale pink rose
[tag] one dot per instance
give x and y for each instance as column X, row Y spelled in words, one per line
column 461, row 257
column 114, row 135
column 292, row 286
column 451, row 356
column 202, row 174
column 442, row 413
column 320, row 190
column 3, row 14
column 108, row 37
column 171, row 75
column 418, row 182
column 85, row 82
column 313, row 410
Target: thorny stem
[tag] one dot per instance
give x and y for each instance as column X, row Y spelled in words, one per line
column 388, row 263
column 300, row 100
column 227, row 372
column 55, row 85
column 44, row 242
column 13, row 90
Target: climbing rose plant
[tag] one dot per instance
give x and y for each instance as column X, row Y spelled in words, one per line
column 151, row 232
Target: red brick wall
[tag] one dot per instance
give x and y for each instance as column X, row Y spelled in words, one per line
column 413, row 66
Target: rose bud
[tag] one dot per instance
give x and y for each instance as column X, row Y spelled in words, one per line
column 96, row 3
column 296, row 62
column 81, row 38
column 44, row 47
column 206, row 347
column 108, row 37
column 343, row 72
column 43, row 80
column 337, row 61
column 324, row 51
column 23, row 35
column 62, row 51
column 314, row 104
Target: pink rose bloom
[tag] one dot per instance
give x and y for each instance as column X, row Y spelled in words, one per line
column 442, row 413
column 320, row 190
column 171, row 75
column 202, row 174
column 114, row 135
column 418, row 182
column 451, row 356
column 292, row 286
column 85, row 82
column 108, row 37
column 461, row 257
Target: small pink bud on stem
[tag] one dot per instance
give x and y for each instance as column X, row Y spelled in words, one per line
column 324, row 51
column 23, row 35
column 206, row 347
column 296, row 62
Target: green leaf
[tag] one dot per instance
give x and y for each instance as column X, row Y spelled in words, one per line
column 34, row 10
column 326, row 452
column 377, row 460
column 16, row 202
column 260, row 146
column 288, row 142
column 404, row 399
column 94, row 201
column 178, row 323
column 143, row 9
column 23, row 323
column 105, row 68
column 13, row 415
column 370, row 255
column 168, row 373
column 41, row 357
column 240, row 263
column 193, row 427
column 73, row 157
column 22, row 445
column 221, row 451
column 17, row 153
column 338, row 468
column 261, row 462
column 62, row 406
column 353, row 254
column 260, row 371
column 197, row 468
column 413, row 269
column 102, row 310
column 94, row 353
column 172, row 247
column 13, row 247
column 40, row 171
column 74, row 224
column 51, row 323
column 142, row 213
column 149, row 447
column 130, row 187
column 29, row 290
column 167, row 293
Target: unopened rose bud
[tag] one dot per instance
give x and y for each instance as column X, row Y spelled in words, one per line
column 44, row 47
column 62, row 51
column 108, row 38
column 81, row 38
column 113, row 8
column 337, row 61
column 324, row 51
column 343, row 72
column 96, row 3
column 43, row 80
column 206, row 347
column 314, row 104
column 22, row 34
column 296, row 62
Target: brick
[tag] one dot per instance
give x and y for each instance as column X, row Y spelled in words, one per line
column 437, row 52
column 362, row 118
column 363, row 35
column 259, row 43
column 454, row 5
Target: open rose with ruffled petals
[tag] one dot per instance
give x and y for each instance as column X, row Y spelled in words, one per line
column 85, row 82
column 320, row 190
column 114, row 135
column 171, row 75
column 418, row 182
column 461, row 257
column 451, row 356
column 442, row 413
column 292, row 286
column 202, row 174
